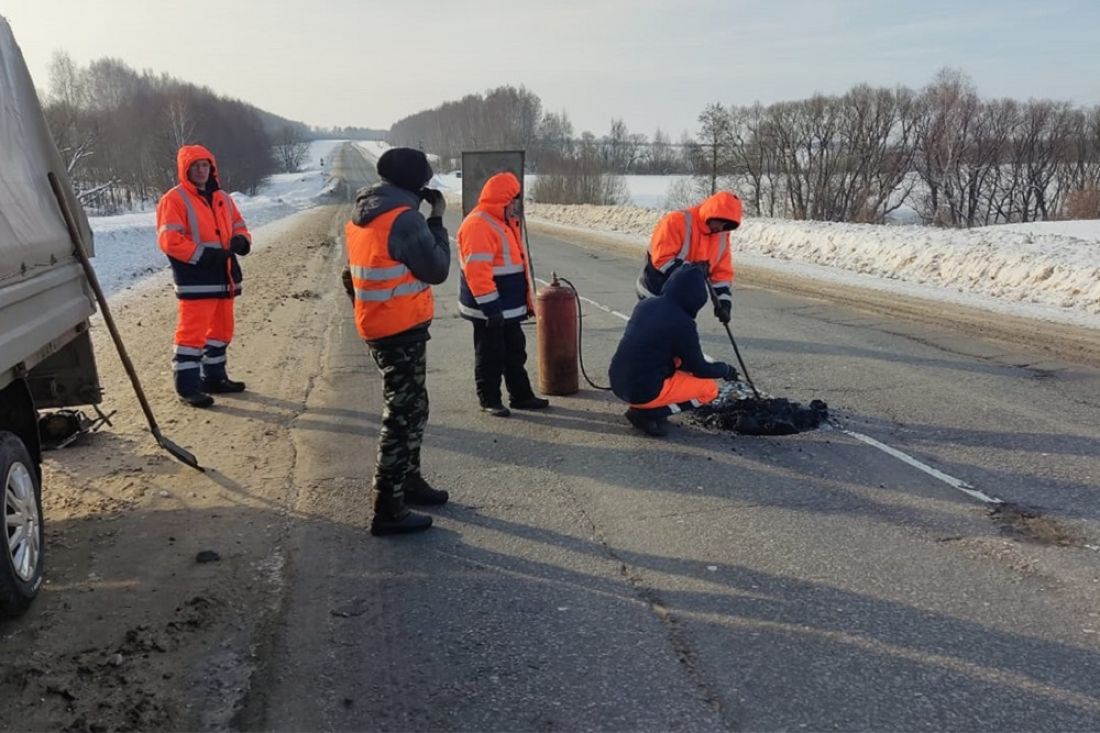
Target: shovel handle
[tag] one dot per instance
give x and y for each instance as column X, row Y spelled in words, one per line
column 733, row 342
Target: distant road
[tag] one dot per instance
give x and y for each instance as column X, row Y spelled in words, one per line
column 353, row 168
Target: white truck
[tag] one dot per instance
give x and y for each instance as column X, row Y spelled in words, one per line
column 46, row 358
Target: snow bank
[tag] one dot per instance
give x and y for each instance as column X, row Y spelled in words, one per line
column 1054, row 264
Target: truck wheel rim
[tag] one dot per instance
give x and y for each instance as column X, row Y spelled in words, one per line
column 21, row 522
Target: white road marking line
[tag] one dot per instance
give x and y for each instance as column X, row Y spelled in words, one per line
column 601, row 306
column 934, row 473
column 866, row 439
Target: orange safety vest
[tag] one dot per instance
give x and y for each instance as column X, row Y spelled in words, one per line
column 388, row 297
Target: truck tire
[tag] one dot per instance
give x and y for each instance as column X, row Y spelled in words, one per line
column 22, row 556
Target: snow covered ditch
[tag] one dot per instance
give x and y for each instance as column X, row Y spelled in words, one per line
column 1055, row 264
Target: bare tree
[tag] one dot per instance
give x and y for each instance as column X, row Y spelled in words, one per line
column 752, row 151
column 119, row 131
column 65, row 82
column 291, row 149
column 108, row 83
column 660, row 158
column 878, row 128
column 73, row 134
column 948, row 106
column 1079, row 167
column 179, row 119
column 623, row 149
column 555, row 141
column 581, row 178
column 716, row 139
column 504, row 117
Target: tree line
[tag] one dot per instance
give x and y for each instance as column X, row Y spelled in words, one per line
column 118, row 131
column 510, row 117
column 954, row 158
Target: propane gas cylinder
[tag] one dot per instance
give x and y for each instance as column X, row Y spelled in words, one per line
column 556, row 328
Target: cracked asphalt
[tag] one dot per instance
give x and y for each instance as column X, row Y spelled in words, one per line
column 584, row 577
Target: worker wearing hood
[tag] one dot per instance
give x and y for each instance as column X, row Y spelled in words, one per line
column 494, row 293
column 659, row 367
column 203, row 233
column 700, row 234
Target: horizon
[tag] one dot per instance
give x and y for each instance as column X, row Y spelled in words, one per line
column 575, row 61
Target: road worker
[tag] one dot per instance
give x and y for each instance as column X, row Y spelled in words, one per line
column 659, row 367
column 495, row 294
column 203, row 234
column 395, row 255
column 698, row 234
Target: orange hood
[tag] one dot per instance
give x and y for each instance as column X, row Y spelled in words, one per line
column 497, row 193
column 187, row 155
column 722, row 205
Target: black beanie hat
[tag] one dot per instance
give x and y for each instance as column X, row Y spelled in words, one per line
column 405, row 167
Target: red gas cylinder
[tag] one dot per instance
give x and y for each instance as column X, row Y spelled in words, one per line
column 556, row 330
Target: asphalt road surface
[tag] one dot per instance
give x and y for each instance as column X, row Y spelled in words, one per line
column 928, row 562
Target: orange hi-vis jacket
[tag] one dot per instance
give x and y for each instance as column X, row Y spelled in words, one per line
column 187, row 222
column 388, row 297
column 683, row 236
column 494, row 265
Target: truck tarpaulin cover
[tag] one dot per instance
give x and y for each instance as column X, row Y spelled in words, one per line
column 42, row 286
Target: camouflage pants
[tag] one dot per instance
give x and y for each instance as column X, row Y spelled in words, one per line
column 403, row 417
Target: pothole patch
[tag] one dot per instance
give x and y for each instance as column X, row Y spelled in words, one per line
column 1030, row 525
column 762, row 415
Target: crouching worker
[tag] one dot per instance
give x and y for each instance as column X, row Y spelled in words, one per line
column 659, row 366
column 395, row 255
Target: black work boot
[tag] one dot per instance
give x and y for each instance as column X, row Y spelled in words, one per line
column 225, row 385
column 647, row 423
column 530, row 403
column 496, row 410
column 418, row 492
column 391, row 516
column 197, row 399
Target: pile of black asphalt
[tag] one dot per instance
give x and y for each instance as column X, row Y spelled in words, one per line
column 762, row 416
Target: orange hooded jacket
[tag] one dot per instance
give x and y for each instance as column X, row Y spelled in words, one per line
column 683, row 236
column 494, row 264
column 188, row 221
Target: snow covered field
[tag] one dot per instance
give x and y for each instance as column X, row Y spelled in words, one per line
column 646, row 191
column 1046, row 270
column 1042, row 270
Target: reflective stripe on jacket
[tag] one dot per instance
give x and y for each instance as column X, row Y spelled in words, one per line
column 388, row 297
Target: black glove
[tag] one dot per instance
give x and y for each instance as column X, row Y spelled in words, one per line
column 494, row 319
column 722, row 310
column 349, row 286
column 435, row 199
column 731, row 373
column 213, row 258
column 240, row 245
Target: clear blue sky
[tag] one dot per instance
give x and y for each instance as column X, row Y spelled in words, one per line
column 365, row 62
